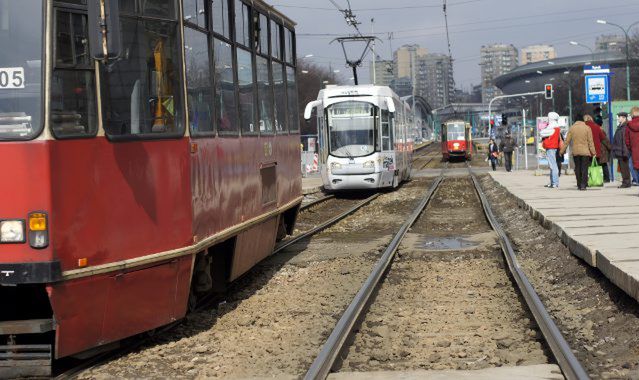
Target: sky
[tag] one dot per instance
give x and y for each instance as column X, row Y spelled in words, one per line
column 472, row 23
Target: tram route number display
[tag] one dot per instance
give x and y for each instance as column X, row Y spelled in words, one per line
column 11, row 78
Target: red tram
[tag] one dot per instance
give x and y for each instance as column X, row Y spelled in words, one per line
column 457, row 140
column 150, row 155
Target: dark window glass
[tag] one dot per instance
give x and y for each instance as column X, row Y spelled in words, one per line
column 246, row 87
column 261, row 31
column 198, row 80
column 279, row 85
column 143, row 88
column 149, row 8
column 293, row 111
column 290, row 54
column 20, row 69
column 225, row 104
column 265, row 95
column 276, row 45
column 194, row 12
column 73, row 98
column 220, row 11
column 242, row 23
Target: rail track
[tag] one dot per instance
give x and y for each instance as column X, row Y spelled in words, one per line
column 355, row 312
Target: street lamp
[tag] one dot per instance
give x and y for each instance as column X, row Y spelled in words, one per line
column 592, row 52
column 625, row 32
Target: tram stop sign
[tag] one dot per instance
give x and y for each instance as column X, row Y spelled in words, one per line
column 597, row 83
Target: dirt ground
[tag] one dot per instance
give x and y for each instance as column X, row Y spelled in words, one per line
column 598, row 320
column 447, row 302
column 275, row 319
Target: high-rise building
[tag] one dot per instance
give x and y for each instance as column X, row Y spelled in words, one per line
column 384, row 70
column 404, row 57
column 610, row 42
column 536, row 53
column 496, row 60
column 402, row 86
column 434, row 79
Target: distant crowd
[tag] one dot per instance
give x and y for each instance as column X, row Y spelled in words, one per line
column 589, row 147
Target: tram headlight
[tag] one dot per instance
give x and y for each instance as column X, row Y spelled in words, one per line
column 336, row 166
column 12, row 231
column 38, row 230
column 369, row 164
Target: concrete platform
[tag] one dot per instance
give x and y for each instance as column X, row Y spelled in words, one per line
column 601, row 226
column 533, row 372
column 311, row 185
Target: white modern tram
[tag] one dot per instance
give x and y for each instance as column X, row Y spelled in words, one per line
column 364, row 140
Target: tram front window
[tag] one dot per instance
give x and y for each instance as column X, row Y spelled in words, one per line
column 20, row 69
column 351, row 128
column 456, row 132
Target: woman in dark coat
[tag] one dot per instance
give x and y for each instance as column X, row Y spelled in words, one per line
column 493, row 154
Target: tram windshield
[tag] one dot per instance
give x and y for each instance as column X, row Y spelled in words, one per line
column 351, row 127
column 20, row 69
column 456, row 131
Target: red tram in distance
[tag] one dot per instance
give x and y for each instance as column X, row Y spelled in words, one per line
column 151, row 155
column 457, row 140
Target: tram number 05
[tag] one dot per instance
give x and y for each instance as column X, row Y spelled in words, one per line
column 11, row 78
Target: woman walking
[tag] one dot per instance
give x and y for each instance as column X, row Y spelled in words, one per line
column 493, row 154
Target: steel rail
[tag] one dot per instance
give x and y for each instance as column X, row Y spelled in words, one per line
column 316, row 202
column 570, row 366
column 326, row 358
column 287, row 243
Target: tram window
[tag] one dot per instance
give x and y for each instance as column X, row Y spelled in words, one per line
column 293, row 112
column 386, row 130
column 279, row 87
column 73, row 98
column 143, row 91
column 157, row 8
column 261, row 34
column 288, row 41
column 276, row 45
column 220, row 11
column 265, row 95
column 198, row 80
column 246, row 87
column 242, row 23
column 194, row 12
column 225, row 106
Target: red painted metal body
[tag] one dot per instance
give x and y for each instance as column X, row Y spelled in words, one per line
column 110, row 202
column 456, row 140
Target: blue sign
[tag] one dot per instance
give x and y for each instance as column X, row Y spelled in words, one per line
column 597, row 89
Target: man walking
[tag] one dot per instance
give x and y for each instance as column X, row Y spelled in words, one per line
column 620, row 150
column 602, row 145
column 632, row 138
column 508, row 146
column 579, row 138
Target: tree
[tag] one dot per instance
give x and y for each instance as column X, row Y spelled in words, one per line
column 312, row 78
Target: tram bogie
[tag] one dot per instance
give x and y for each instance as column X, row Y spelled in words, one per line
column 456, row 140
column 364, row 137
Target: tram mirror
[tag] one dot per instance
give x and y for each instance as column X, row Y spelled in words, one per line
column 308, row 111
column 390, row 105
column 104, row 26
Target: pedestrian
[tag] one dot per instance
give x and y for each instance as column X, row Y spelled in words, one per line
column 620, row 151
column 560, row 157
column 602, row 145
column 493, row 154
column 551, row 140
column 507, row 147
column 632, row 139
column 598, row 118
column 579, row 138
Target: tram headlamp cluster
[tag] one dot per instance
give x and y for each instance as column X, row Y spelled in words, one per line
column 369, row 164
column 336, row 166
column 35, row 230
column 12, row 231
